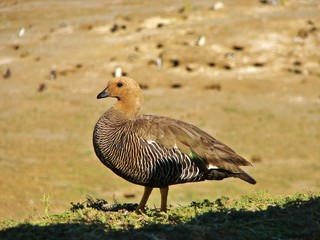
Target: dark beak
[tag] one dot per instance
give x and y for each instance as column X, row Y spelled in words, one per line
column 104, row 94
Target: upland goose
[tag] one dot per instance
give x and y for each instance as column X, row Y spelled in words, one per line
column 157, row 151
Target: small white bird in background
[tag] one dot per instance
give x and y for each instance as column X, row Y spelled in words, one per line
column 21, row 32
column 118, row 72
column 201, row 41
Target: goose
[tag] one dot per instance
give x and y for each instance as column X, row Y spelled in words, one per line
column 158, row 151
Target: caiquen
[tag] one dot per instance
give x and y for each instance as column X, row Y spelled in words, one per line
column 158, row 151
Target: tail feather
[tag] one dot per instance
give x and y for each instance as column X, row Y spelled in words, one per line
column 246, row 177
column 219, row 174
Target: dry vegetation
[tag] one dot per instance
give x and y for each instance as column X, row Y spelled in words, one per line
column 254, row 84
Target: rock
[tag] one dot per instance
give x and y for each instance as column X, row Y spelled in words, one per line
column 227, row 67
column 159, row 45
column 114, row 28
column 229, row 55
column 302, row 33
column 143, row 86
column 129, row 195
column 190, row 67
column 176, row 85
column 42, row 87
column 270, row 2
column 213, row 86
column 6, row 74
column 175, row 62
column 256, row 159
column 238, row 47
column 297, row 63
column 15, row 46
column 258, row 64
column 79, row 65
column 156, row 22
column 211, row 64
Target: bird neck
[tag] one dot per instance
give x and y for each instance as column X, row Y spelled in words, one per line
column 128, row 109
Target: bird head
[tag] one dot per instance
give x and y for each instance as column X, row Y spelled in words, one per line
column 128, row 93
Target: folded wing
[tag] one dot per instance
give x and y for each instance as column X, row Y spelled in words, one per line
column 190, row 140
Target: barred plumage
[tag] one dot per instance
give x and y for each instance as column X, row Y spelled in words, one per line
column 157, row 151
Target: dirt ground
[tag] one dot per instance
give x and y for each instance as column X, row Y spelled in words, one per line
column 247, row 72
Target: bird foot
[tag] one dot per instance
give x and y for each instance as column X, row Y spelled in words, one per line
column 140, row 211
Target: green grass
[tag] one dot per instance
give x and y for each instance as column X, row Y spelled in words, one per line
column 249, row 217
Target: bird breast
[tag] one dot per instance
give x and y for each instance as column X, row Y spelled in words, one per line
column 141, row 161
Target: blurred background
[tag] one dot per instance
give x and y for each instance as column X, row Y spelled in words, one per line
column 247, row 72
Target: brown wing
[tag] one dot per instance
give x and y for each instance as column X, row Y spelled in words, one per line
column 172, row 133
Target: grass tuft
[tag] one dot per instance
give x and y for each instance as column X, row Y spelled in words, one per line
column 102, row 205
column 45, row 201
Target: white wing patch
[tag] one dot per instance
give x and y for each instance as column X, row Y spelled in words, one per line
column 212, row 167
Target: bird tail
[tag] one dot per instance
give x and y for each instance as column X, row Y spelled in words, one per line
column 219, row 174
column 246, row 177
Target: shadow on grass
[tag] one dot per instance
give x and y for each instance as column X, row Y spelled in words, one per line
column 294, row 220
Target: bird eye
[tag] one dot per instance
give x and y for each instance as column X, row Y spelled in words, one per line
column 119, row 84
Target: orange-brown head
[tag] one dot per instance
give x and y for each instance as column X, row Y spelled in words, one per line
column 128, row 93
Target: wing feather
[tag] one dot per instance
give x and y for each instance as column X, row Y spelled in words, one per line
column 189, row 139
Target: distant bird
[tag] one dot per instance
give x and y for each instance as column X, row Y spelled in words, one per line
column 201, row 41
column 157, row 151
column 53, row 73
column 118, row 72
column 159, row 62
column 21, row 32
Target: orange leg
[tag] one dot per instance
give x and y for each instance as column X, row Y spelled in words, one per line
column 144, row 199
column 164, row 196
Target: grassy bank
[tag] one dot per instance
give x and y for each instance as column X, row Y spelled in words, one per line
column 249, row 217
